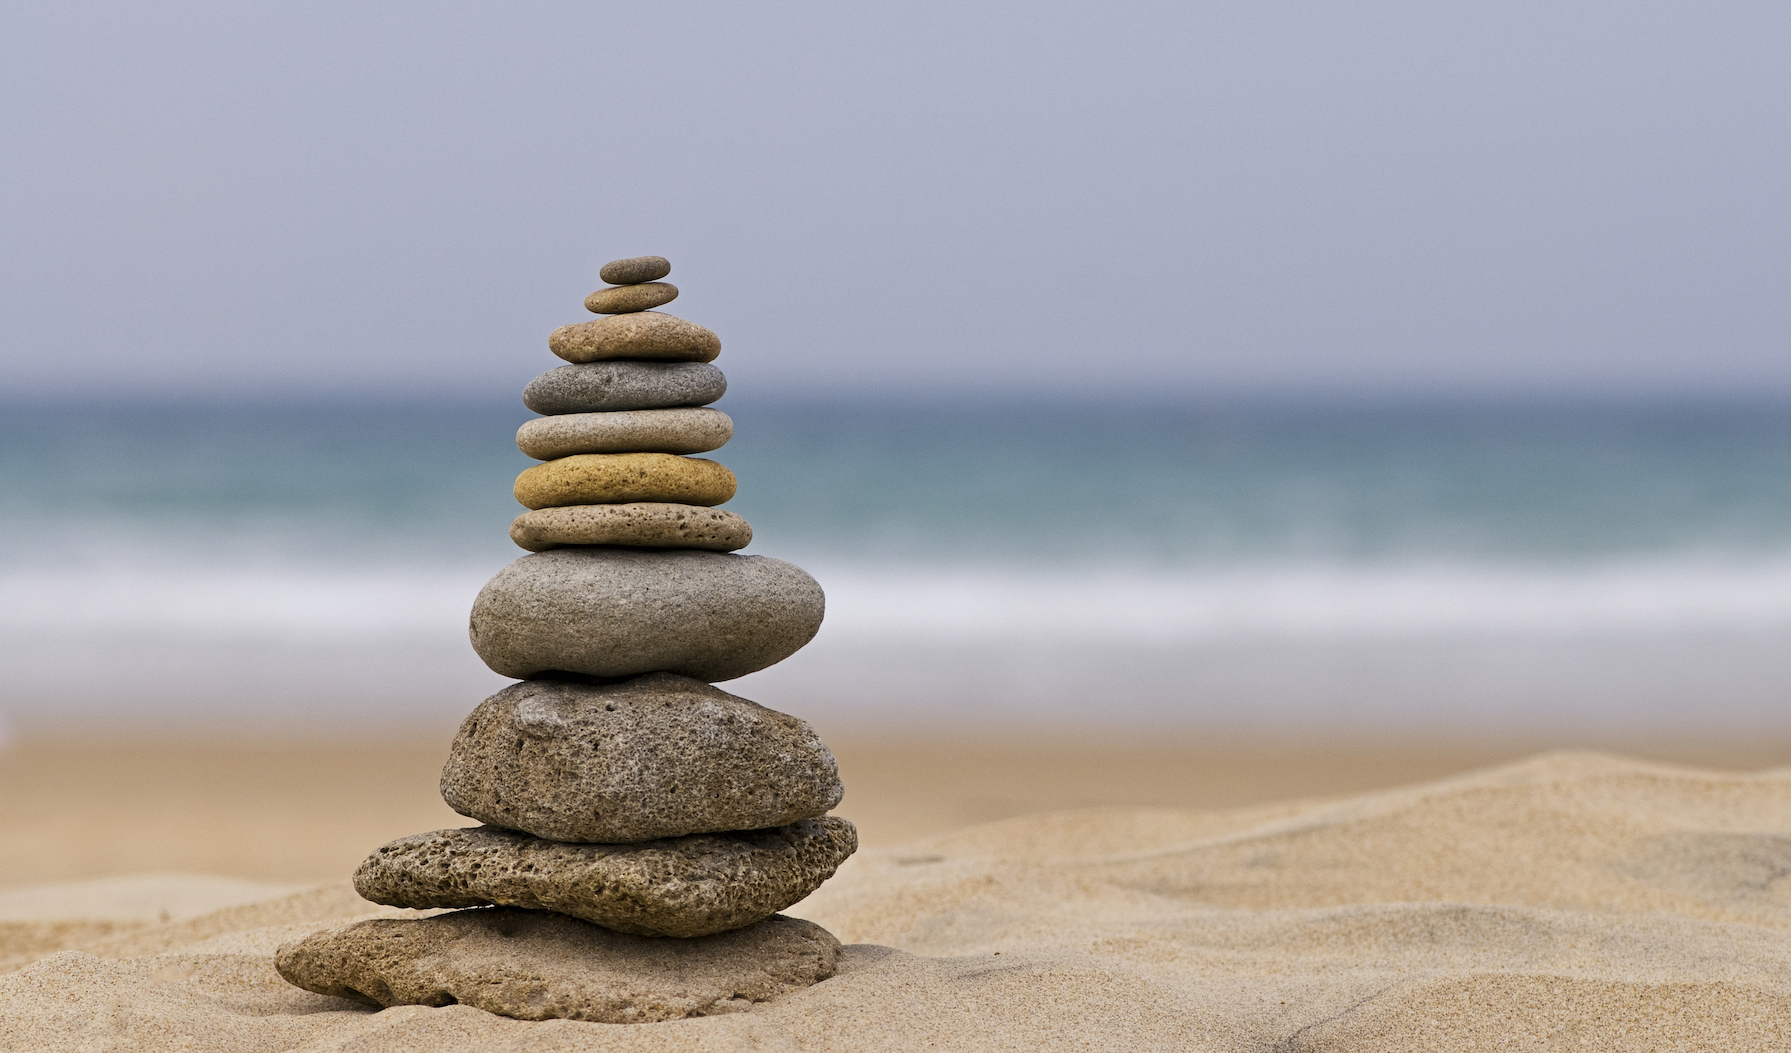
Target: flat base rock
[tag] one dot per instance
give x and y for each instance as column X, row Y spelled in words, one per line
column 677, row 886
column 535, row 965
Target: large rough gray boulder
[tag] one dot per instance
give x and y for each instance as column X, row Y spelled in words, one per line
column 534, row 965
column 681, row 886
column 658, row 756
column 615, row 612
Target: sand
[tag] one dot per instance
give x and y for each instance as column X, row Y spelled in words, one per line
column 1569, row 901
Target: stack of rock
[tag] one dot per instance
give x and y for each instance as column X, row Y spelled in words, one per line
column 643, row 828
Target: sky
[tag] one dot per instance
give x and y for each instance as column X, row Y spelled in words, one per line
column 956, row 200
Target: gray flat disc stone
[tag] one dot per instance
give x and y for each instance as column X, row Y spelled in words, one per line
column 658, row 756
column 624, row 385
column 616, row 612
column 681, row 886
column 534, row 965
column 682, row 429
column 636, row 524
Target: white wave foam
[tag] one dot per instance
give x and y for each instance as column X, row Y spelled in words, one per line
column 967, row 604
column 1339, row 602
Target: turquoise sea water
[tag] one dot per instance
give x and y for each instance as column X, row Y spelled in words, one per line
column 151, row 551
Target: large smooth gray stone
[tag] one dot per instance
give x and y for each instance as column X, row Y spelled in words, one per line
column 615, row 612
column 594, row 387
column 533, row 965
column 658, row 756
column 681, row 886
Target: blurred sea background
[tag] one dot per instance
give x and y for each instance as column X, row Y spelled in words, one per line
column 1377, row 370
column 1579, row 569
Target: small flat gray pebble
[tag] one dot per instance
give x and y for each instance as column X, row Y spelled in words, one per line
column 686, row 429
column 635, row 269
column 622, row 612
column 636, row 524
column 657, row 756
column 595, row 387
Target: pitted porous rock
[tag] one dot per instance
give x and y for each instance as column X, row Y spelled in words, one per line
column 683, row 429
column 533, row 965
column 616, row 478
column 642, row 334
column 637, row 524
column 658, row 756
column 597, row 387
column 680, row 886
column 616, row 612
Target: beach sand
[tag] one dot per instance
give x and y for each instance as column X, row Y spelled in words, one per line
column 1563, row 901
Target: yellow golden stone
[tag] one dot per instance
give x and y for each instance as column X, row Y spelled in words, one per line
column 618, row 478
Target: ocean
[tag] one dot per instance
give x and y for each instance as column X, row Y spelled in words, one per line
column 1576, row 571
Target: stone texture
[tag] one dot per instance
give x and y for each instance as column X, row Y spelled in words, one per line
column 613, row 478
column 623, row 612
column 686, row 429
column 681, row 886
column 533, row 965
column 596, row 387
column 635, row 269
column 637, row 525
column 644, row 334
column 658, row 756
column 623, row 299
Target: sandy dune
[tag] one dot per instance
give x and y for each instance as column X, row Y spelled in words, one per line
column 1574, row 901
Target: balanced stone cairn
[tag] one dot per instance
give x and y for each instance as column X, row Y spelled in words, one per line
column 643, row 828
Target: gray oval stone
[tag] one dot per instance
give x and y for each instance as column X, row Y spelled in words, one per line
column 623, row 299
column 536, row 965
column 683, row 429
column 681, row 886
column 658, row 756
column 635, row 269
column 602, row 386
column 622, row 612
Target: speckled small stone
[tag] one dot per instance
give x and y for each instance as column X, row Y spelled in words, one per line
column 536, row 965
column 638, row 524
column 641, row 335
column 681, row 886
column 613, row 612
column 635, row 269
column 657, row 756
column 624, row 299
column 612, row 478
column 685, row 429
column 599, row 387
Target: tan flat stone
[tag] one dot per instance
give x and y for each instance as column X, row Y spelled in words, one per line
column 535, row 965
column 639, row 335
column 635, row 269
column 684, row 429
column 639, row 524
column 624, row 299
column 679, row 886
column 618, row 478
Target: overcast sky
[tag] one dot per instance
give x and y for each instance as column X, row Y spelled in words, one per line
column 961, row 198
